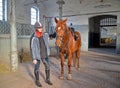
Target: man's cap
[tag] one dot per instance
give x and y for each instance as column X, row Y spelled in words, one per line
column 37, row 25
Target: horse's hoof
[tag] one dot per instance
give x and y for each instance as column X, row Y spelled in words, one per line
column 61, row 77
column 78, row 69
column 69, row 77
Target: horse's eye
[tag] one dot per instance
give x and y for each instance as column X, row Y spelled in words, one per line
column 59, row 28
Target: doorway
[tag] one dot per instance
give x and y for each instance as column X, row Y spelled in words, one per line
column 102, row 31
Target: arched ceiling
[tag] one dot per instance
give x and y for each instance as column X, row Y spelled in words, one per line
column 73, row 7
column 76, row 7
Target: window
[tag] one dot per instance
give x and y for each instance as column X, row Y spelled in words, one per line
column 3, row 10
column 34, row 15
column 108, row 22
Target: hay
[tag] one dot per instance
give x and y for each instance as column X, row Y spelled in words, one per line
column 4, row 68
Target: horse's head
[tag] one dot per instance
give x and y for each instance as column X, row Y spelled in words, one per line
column 60, row 31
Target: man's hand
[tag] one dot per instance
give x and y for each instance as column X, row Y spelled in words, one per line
column 34, row 61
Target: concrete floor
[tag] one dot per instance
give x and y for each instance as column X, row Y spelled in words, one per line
column 97, row 70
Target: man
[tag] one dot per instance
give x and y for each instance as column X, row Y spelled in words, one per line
column 39, row 49
column 73, row 31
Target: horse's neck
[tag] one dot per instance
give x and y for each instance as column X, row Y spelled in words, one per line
column 68, row 33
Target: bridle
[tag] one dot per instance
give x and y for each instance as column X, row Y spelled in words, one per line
column 61, row 38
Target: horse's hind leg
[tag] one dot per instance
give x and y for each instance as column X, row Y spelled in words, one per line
column 78, row 59
column 74, row 59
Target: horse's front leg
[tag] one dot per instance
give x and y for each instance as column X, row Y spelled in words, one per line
column 62, row 65
column 69, row 66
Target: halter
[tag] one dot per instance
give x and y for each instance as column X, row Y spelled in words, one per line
column 64, row 30
column 61, row 38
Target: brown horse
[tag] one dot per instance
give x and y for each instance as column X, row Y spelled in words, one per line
column 67, row 45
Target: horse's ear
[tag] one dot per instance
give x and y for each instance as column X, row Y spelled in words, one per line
column 65, row 20
column 56, row 20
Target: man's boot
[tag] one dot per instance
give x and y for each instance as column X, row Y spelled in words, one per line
column 48, row 77
column 37, row 79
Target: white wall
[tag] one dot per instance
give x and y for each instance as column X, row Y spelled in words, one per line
column 5, row 48
column 23, row 11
